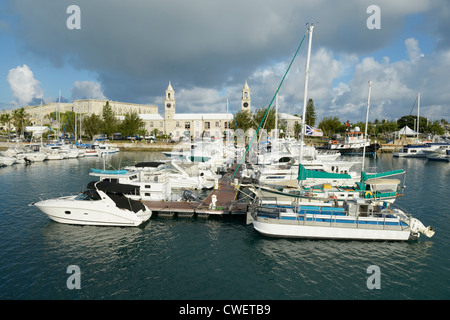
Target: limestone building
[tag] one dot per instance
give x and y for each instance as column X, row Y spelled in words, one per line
column 171, row 123
column 194, row 125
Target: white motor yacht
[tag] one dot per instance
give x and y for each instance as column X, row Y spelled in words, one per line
column 102, row 204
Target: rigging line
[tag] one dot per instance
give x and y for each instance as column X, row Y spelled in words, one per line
column 270, row 104
column 237, row 128
column 414, row 104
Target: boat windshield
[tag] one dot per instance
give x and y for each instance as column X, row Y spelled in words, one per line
column 88, row 195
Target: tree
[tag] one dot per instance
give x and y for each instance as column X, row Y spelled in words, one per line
column 269, row 120
column 132, row 124
column 297, row 129
column 331, row 125
column 20, row 120
column 435, row 128
column 242, row 120
column 411, row 122
column 310, row 114
column 67, row 122
column 92, row 125
column 6, row 119
column 110, row 122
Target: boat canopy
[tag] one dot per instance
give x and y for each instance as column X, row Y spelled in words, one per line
column 151, row 164
column 114, row 187
column 100, row 171
column 377, row 181
column 304, row 174
column 366, row 176
column 116, row 190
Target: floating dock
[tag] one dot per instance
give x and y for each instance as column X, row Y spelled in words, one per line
column 221, row 201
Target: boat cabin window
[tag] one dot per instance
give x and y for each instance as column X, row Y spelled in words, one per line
column 88, row 195
column 133, row 177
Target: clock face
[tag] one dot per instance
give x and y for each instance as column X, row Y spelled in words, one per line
column 245, row 104
column 168, row 105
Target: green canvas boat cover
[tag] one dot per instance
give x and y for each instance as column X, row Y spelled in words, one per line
column 304, row 174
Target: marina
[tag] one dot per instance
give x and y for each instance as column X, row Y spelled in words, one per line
column 209, row 204
column 149, row 262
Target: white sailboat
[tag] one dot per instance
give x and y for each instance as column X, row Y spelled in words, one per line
column 356, row 219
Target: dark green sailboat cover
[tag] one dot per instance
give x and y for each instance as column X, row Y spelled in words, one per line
column 366, row 176
column 304, row 174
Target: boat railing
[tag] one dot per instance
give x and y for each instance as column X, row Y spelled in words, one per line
column 331, row 215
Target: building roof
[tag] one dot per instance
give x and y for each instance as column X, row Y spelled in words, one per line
column 151, row 116
column 287, row 116
column 203, row 116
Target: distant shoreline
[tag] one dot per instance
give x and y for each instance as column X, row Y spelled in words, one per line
column 122, row 146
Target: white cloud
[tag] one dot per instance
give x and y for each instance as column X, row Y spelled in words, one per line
column 209, row 56
column 25, row 88
column 87, row 90
column 413, row 50
column 198, row 99
column 395, row 86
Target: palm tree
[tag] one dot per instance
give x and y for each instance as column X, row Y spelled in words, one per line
column 6, row 118
column 20, row 119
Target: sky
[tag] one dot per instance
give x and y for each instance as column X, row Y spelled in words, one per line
column 129, row 51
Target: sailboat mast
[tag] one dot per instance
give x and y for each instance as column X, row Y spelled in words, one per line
column 367, row 124
column 310, row 31
column 59, row 112
column 418, row 110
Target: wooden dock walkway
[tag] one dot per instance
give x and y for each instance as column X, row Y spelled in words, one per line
column 225, row 195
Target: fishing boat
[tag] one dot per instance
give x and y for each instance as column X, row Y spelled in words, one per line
column 102, row 204
column 356, row 219
column 353, row 144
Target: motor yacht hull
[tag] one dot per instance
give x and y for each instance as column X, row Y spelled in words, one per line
column 68, row 210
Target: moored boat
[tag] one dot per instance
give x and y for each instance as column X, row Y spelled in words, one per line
column 356, row 219
column 353, row 143
column 102, row 204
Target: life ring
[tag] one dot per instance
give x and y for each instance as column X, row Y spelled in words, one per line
column 368, row 193
column 334, row 142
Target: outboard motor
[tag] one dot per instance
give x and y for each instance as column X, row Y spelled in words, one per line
column 188, row 195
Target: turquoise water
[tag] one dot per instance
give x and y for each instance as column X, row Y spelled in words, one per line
column 215, row 258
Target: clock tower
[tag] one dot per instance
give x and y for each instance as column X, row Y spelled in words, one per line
column 245, row 100
column 169, row 103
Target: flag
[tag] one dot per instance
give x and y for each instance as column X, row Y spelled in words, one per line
column 310, row 131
